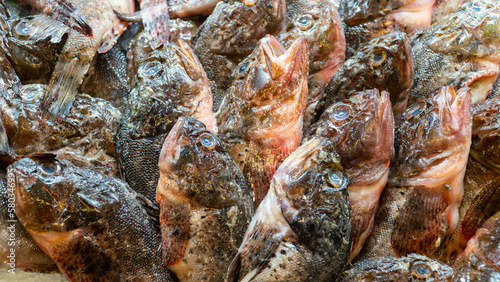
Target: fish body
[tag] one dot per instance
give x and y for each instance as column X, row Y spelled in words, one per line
column 187, row 8
column 169, row 84
column 261, row 117
column 362, row 129
column 93, row 226
column 301, row 230
column 205, row 201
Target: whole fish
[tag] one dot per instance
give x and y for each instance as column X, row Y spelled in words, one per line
column 86, row 135
column 301, row 230
column 384, row 63
column 231, row 33
column 261, row 117
column 481, row 259
column 205, row 201
column 321, row 25
column 169, row 84
column 419, row 208
column 362, row 129
column 413, row 267
column 460, row 50
column 93, row 226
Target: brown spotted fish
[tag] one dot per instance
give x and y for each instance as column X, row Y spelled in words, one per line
column 93, row 226
column 301, row 230
column 419, row 208
column 261, row 117
column 206, row 203
column 362, row 129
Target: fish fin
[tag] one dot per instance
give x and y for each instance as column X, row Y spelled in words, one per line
column 156, row 21
column 43, row 26
column 233, row 271
column 134, row 17
column 151, row 208
column 64, row 11
column 175, row 228
column 420, row 224
column 67, row 76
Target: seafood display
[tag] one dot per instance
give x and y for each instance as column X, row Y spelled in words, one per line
column 250, row 140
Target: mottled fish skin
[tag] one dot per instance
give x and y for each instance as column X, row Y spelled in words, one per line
column 321, row 25
column 9, row 81
column 362, row 129
column 184, row 29
column 495, row 89
column 384, row 63
column 79, row 51
column 443, row 8
column 481, row 259
column 301, row 230
column 28, row 255
column 169, row 84
column 231, row 33
column 460, row 50
column 188, row 8
column 261, row 117
column 206, row 203
column 413, row 267
column 419, row 208
column 156, row 21
column 93, row 226
column 86, row 135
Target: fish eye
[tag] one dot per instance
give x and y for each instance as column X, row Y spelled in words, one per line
column 207, row 140
column 30, row 96
column 335, row 179
column 305, row 22
column 150, row 69
column 420, row 271
column 340, row 113
column 22, row 29
column 378, row 58
column 477, row 7
column 243, row 68
column 416, row 110
column 51, row 168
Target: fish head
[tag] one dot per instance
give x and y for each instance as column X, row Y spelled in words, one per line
column 321, row 25
column 359, row 11
column 51, row 194
column 485, row 132
column 433, row 137
column 362, row 129
column 193, row 164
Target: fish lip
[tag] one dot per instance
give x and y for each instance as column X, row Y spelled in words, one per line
column 169, row 149
column 272, row 48
column 189, row 61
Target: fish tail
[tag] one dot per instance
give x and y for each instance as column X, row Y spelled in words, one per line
column 65, row 12
column 156, row 21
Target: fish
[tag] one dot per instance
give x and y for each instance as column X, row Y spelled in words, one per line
column 86, row 135
column 9, row 80
column 413, row 267
column 169, row 84
column 79, row 51
column 480, row 260
column 27, row 255
column 460, row 50
column 189, row 8
column 419, row 207
column 205, row 202
column 362, row 129
column 443, row 8
column 93, row 226
column 230, row 34
column 321, row 25
column 156, row 21
column 301, row 230
column 384, row 63
column 260, row 119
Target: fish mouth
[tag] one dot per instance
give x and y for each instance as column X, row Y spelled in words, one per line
column 171, row 147
column 279, row 60
column 188, row 60
column 452, row 106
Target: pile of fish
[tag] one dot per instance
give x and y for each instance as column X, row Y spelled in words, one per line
column 250, row 140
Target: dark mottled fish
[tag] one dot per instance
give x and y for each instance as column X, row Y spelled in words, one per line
column 206, row 203
column 419, row 208
column 460, row 50
column 413, row 267
column 301, row 230
column 384, row 63
column 362, row 129
column 231, row 33
column 261, row 117
column 169, row 84
column 93, row 226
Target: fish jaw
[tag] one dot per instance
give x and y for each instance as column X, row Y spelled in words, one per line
column 413, row 17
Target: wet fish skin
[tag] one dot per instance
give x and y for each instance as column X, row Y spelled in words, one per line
column 384, row 63
column 413, row 267
column 93, row 226
column 300, row 232
column 459, row 51
column 28, row 255
column 86, row 136
column 9, row 81
column 187, row 8
column 169, row 84
column 206, row 203
column 425, row 177
column 260, row 119
column 231, row 33
column 362, row 129
column 443, row 8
